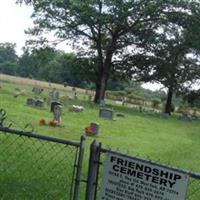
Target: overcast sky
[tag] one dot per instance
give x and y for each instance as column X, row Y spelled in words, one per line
column 14, row 19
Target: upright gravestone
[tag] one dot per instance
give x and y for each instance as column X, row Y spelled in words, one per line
column 185, row 117
column 37, row 91
column 55, row 94
column 57, row 113
column 53, row 104
column 39, row 103
column 30, row 102
column 106, row 113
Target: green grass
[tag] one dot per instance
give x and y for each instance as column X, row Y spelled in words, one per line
column 167, row 140
column 34, row 169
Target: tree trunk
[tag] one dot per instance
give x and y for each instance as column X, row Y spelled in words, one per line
column 101, row 84
column 103, row 71
column 168, row 105
column 97, row 91
column 104, row 80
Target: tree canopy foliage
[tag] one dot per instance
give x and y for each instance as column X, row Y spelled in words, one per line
column 104, row 30
column 171, row 56
column 51, row 65
column 8, row 58
column 150, row 40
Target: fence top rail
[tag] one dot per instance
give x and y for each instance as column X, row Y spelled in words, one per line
column 38, row 136
column 190, row 173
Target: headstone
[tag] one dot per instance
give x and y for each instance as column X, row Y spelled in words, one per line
column 30, row 102
column 106, row 113
column 37, row 91
column 53, row 104
column 164, row 115
column 39, row 103
column 55, row 94
column 185, row 117
column 57, row 113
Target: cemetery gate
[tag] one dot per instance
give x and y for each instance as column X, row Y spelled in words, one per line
column 116, row 176
column 38, row 167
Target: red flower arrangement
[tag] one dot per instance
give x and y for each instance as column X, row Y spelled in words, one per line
column 89, row 130
column 53, row 123
column 42, row 122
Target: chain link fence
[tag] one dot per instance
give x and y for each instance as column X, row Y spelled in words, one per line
column 37, row 167
column 40, row 167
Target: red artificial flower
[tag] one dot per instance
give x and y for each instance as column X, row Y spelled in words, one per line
column 53, row 123
column 89, row 130
column 42, row 122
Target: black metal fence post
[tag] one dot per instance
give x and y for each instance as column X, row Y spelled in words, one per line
column 79, row 168
column 92, row 171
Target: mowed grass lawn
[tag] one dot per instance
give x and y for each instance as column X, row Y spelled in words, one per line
column 167, row 140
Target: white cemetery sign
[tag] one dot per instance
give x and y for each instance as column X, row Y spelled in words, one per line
column 132, row 179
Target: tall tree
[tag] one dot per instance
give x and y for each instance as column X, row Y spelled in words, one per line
column 104, row 29
column 192, row 97
column 33, row 60
column 52, row 65
column 8, row 58
column 171, row 56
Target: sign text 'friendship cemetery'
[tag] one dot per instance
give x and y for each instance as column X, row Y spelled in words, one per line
column 132, row 179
